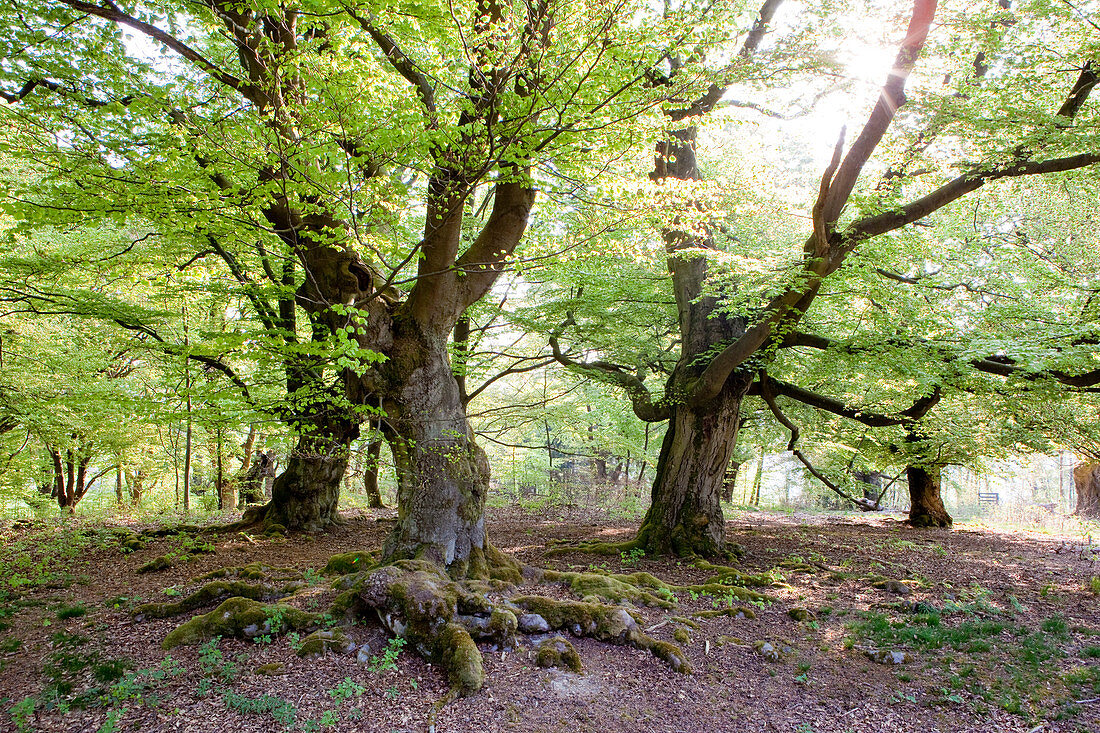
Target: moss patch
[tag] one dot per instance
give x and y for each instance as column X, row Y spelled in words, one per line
column 241, row 618
column 320, row 643
column 559, row 652
column 212, row 591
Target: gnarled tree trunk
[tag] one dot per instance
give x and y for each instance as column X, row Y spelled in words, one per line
column 685, row 514
column 306, row 495
column 925, row 503
column 1086, row 480
column 442, row 475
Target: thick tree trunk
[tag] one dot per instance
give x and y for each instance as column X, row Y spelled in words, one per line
column 306, row 495
column 1086, row 480
column 926, row 505
column 685, row 514
column 442, row 475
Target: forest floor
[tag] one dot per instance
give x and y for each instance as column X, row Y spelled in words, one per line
column 908, row 630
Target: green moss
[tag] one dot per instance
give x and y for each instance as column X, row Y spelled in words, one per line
column 349, row 562
column 800, row 614
column 686, row 622
column 320, row 642
column 271, row 668
column 161, row 562
column 681, row 636
column 670, row 654
column 212, row 591
column 455, row 650
column 733, row 612
column 726, row 575
column 614, row 588
column 613, row 624
column 718, row 590
column 255, row 571
column 242, row 618
column 559, row 652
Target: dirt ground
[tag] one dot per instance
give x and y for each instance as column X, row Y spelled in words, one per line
column 992, row 631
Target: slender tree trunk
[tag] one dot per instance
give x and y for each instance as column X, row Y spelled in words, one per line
column 730, row 481
column 370, row 474
column 119, row 485
column 685, row 513
column 757, row 480
column 925, row 503
column 1086, row 479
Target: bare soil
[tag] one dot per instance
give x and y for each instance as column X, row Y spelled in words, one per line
column 1005, row 637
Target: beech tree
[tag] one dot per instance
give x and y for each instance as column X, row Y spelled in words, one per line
column 727, row 336
column 358, row 233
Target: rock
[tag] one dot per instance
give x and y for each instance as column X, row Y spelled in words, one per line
column 801, row 614
column 767, row 650
column 532, row 623
column 887, row 656
column 363, row 655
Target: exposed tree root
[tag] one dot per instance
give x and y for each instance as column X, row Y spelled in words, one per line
column 241, row 618
column 444, row 614
column 731, row 551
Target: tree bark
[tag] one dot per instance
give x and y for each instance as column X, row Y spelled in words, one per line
column 925, row 503
column 685, row 514
column 1086, row 480
column 442, row 475
column 306, row 495
column 370, row 474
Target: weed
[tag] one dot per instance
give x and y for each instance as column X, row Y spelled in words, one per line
column 74, row 611
column 346, row 689
column 387, row 660
column 1091, row 652
column 21, row 713
column 10, row 645
column 312, row 577
column 214, row 663
column 1094, row 584
column 630, row 559
column 281, row 710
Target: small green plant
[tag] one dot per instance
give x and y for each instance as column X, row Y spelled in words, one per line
column 281, row 710
column 214, row 663
column 22, row 712
column 74, row 611
column 1094, row 584
column 387, row 660
column 312, row 577
column 346, row 689
column 630, row 559
column 110, row 725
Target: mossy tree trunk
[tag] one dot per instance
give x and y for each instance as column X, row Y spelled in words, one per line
column 925, row 502
column 370, row 474
column 306, row 495
column 442, row 475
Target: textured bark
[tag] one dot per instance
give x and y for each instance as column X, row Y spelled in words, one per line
column 442, row 475
column 685, row 514
column 307, row 494
column 925, row 503
column 1086, row 480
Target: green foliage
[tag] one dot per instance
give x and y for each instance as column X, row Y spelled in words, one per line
column 282, row 711
column 386, row 661
column 346, row 689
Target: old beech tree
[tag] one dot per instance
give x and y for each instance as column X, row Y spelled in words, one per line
column 722, row 351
